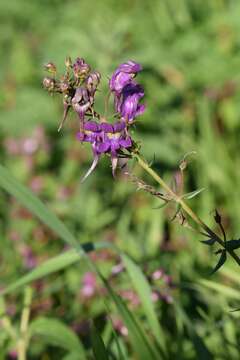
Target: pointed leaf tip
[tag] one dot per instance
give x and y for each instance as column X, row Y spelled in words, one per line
column 208, row 242
column 233, row 244
column 221, row 261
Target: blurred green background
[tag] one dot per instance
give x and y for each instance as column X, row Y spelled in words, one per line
column 190, row 52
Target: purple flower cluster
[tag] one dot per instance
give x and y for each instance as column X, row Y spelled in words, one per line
column 127, row 93
column 105, row 138
column 79, row 86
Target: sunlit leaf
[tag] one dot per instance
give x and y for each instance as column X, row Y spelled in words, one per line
column 139, row 339
column 143, row 290
column 55, row 332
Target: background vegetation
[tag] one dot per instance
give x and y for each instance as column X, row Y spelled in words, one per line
column 190, row 52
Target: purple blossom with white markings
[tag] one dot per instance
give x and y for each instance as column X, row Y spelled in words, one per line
column 105, row 138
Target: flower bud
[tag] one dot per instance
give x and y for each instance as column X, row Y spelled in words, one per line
column 63, row 86
column 48, row 83
column 51, row 68
column 68, row 62
column 80, row 68
column 93, row 81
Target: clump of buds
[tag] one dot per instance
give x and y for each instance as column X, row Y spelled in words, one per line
column 78, row 86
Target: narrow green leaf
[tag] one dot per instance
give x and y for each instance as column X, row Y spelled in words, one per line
column 221, row 261
column 192, row 194
column 54, row 332
column 143, row 290
column 224, row 290
column 52, row 265
column 202, row 351
column 72, row 356
column 160, row 206
column 99, row 350
column 141, row 344
column 35, row 206
column 208, row 242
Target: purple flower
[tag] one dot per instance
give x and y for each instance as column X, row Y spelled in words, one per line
column 105, row 139
column 89, row 285
column 123, row 75
column 128, row 105
column 81, row 102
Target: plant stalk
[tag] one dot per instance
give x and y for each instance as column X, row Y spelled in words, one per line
column 23, row 340
column 184, row 206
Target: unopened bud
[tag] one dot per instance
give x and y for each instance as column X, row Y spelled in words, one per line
column 92, row 81
column 68, row 62
column 80, row 68
column 217, row 217
column 63, row 86
column 51, row 67
column 48, row 83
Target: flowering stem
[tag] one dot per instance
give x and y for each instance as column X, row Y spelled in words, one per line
column 184, row 206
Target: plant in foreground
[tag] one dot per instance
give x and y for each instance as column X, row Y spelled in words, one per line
column 78, row 87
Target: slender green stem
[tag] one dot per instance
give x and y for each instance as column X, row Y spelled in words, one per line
column 23, row 340
column 184, row 206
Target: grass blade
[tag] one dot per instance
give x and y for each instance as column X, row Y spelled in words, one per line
column 141, row 344
column 54, row 332
column 34, row 205
column 143, row 290
column 52, row 265
column 99, row 350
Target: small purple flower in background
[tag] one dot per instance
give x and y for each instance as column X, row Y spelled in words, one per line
column 89, row 285
column 162, row 286
column 120, row 327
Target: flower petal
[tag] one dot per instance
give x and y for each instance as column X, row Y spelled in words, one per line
column 92, row 167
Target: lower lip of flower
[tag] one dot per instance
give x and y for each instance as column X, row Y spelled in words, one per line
column 88, row 132
column 113, row 135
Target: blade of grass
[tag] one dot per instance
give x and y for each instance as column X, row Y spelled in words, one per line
column 55, row 332
column 141, row 344
column 35, row 206
column 143, row 290
column 98, row 346
column 226, row 291
column 52, row 265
